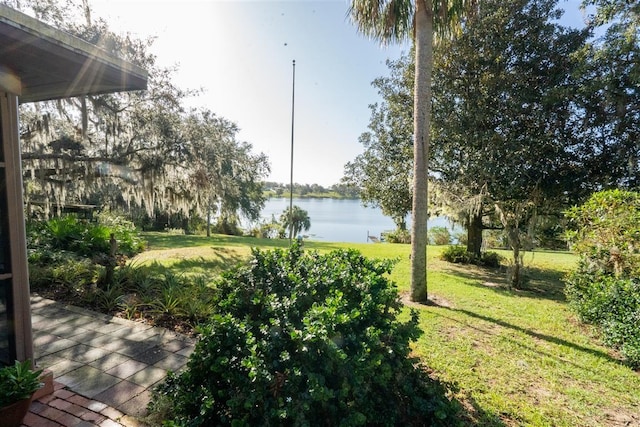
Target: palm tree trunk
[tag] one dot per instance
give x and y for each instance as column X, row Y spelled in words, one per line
column 422, row 118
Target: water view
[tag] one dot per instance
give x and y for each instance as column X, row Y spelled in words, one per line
column 339, row 220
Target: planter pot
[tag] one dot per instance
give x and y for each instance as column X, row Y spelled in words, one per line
column 12, row 415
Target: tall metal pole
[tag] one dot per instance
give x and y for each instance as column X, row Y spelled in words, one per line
column 293, row 103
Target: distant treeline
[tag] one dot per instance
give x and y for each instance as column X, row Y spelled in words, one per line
column 336, row 191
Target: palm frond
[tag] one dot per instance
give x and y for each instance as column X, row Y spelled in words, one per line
column 393, row 20
column 383, row 20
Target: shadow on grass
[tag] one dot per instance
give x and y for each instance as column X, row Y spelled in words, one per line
column 475, row 415
column 221, row 262
column 538, row 283
column 157, row 240
column 160, row 240
column 547, row 284
column 544, row 337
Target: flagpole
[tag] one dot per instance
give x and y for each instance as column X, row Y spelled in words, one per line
column 293, row 98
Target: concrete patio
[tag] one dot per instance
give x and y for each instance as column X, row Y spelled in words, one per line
column 104, row 367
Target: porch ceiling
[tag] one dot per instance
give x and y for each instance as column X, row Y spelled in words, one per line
column 40, row 62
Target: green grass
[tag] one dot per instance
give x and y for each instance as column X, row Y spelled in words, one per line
column 201, row 255
column 517, row 358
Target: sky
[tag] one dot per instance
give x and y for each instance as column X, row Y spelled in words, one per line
column 240, row 54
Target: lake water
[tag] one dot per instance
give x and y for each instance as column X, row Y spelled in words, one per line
column 339, row 220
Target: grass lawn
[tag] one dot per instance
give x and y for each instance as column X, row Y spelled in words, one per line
column 517, row 358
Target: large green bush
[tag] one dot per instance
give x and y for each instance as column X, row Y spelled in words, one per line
column 84, row 238
column 128, row 237
column 306, row 339
column 605, row 287
column 458, row 254
column 397, row 236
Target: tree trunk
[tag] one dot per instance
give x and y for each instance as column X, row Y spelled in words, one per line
column 474, row 234
column 209, row 222
column 513, row 234
column 421, row 124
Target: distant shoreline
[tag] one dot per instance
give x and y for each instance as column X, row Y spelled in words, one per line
column 330, row 195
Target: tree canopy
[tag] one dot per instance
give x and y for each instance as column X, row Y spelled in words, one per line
column 383, row 172
column 608, row 105
column 503, row 109
column 529, row 117
column 137, row 149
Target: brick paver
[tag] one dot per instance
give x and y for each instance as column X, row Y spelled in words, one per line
column 66, row 409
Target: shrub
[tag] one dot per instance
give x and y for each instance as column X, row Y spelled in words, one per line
column 306, row 339
column 129, row 240
column 67, row 256
column 268, row 230
column 64, row 230
column 157, row 294
column 108, row 299
column 228, row 226
column 456, row 254
column 459, row 255
column 136, row 291
column 490, row 259
column 614, row 305
column 87, row 239
column 439, row 236
column 397, row 236
column 604, row 289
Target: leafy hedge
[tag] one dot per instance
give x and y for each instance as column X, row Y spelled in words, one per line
column 459, row 255
column 605, row 287
column 306, row 339
column 83, row 238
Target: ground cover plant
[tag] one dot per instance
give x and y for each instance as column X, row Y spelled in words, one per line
column 302, row 338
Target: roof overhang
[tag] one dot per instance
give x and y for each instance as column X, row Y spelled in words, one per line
column 39, row 62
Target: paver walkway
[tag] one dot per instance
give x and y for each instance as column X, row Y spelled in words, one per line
column 104, row 367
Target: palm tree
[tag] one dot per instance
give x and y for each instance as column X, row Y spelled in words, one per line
column 295, row 222
column 396, row 20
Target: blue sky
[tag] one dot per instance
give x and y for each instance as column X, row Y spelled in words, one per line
column 240, row 53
